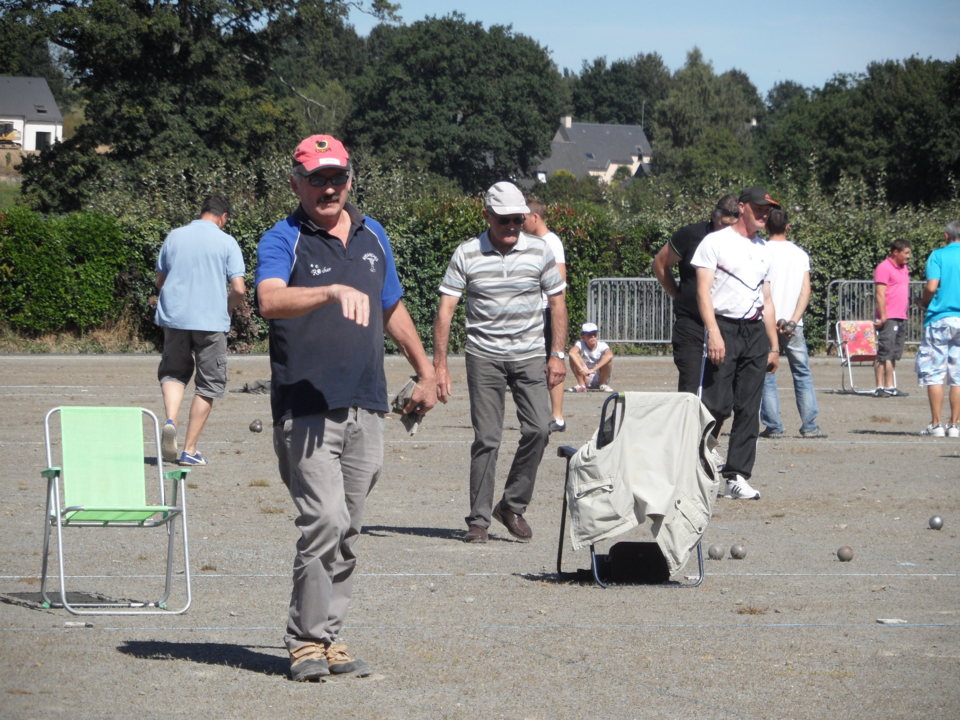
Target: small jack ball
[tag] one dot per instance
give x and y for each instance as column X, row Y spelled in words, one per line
column 936, row 522
column 256, row 426
column 845, row 554
column 738, row 552
column 715, row 552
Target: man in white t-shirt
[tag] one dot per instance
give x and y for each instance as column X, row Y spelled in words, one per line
column 534, row 224
column 790, row 289
column 591, row 361
column 733, row 295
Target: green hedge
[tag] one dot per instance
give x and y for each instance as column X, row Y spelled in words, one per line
column 60, row 273
column 81, row 270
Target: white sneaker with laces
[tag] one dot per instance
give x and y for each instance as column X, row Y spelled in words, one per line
column 934, row 430
column 953, row 431
column 739, row 489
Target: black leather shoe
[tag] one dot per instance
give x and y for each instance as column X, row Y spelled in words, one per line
column 476, row 534
column 514, row 523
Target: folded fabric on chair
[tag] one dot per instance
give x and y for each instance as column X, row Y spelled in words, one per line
column 658, row 467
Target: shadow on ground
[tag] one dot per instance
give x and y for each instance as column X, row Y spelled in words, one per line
column 236, row 656
column 387, row 530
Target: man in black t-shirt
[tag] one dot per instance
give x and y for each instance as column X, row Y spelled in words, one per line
column 687, row 325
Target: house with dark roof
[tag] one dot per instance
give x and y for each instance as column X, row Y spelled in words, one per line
column 29, row 116
column 597, row 150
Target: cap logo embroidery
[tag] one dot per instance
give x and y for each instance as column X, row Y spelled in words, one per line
column 323, row 146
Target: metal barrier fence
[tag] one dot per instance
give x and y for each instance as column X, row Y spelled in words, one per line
column 855, row 300
column 630, row 310
column 638, row 310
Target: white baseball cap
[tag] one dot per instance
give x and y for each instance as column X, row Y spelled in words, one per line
column 505, row 198
column 588, row 328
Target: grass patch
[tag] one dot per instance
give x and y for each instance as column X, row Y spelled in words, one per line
column 115, row 336
column 259, row 482
column 751, row 610
column 9, row 194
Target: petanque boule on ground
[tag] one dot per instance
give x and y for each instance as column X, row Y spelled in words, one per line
column 256, row 426
column 738, row 552
column 845, row 553
column 715, row 552
column 936, row 522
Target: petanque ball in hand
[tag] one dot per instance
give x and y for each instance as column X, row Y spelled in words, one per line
column 256, row 426
column 845, row 554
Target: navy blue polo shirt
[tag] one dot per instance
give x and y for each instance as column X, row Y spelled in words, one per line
column 322, row 361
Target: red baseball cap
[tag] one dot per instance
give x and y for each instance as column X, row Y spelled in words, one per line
column 318, row 152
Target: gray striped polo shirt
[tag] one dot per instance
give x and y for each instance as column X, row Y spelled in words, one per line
column 504, row 316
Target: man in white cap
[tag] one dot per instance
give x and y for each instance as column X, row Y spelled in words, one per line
column 327, row 282
column 591, row 361
column 502, row 273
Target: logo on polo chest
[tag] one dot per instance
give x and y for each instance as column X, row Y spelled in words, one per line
column 318, row 270
column 372, row 259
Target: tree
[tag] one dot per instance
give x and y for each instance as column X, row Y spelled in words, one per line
column 187, row 79
column 896, row 127
column 705, row 124
column 624, row 93
column 444, row 94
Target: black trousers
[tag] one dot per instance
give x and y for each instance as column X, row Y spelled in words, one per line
column 736, row 387
column 687, row 352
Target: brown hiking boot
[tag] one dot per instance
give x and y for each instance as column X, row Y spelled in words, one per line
column 340, row 662
column 308, row 662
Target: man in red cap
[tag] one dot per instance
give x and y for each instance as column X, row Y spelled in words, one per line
column 733, row 295
column 327, row 283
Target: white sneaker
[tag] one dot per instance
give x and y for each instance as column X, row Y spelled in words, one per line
column 934, row 431
column 953, row 431
column 168, row 442
column 739, row 489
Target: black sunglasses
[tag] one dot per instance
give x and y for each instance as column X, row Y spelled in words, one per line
column 319, row 181
column 510, row 219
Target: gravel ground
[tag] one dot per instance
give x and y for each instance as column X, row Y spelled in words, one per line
column 462, row 631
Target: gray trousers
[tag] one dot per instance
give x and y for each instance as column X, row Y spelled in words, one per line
column 487, row 381
column 329, row 463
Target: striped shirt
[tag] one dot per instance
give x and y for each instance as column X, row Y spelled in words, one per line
column 504, row 317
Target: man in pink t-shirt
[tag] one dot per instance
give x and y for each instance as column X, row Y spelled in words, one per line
column 892, row 278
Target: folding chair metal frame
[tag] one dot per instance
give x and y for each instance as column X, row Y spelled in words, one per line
column 851, row 353
column 605, row 435
column 115, row 477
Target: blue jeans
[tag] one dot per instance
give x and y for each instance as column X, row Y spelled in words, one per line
column 799, row 359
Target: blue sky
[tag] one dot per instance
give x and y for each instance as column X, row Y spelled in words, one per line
column 807, row 41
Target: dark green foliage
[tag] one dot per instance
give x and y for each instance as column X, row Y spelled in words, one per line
column 60, row 273
column 705, row 123
column 192, row 81
column 897, row 126
column 446, row 95
column 623, row 93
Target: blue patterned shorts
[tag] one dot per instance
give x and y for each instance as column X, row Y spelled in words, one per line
column 939, row 356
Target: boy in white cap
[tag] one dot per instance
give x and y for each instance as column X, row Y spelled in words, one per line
column 591, row 361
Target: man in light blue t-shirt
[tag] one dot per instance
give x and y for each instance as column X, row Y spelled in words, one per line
column 195, row 265
column 939, row 354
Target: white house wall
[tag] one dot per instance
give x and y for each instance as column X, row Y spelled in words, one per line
column 30, row 136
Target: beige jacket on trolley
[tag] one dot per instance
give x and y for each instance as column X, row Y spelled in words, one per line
column 658, row 468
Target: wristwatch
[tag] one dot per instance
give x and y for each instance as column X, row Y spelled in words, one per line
column 558, row 354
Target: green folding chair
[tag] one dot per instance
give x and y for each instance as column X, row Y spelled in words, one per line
column 101, row 482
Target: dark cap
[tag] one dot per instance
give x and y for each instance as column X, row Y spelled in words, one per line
column 757, row 196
